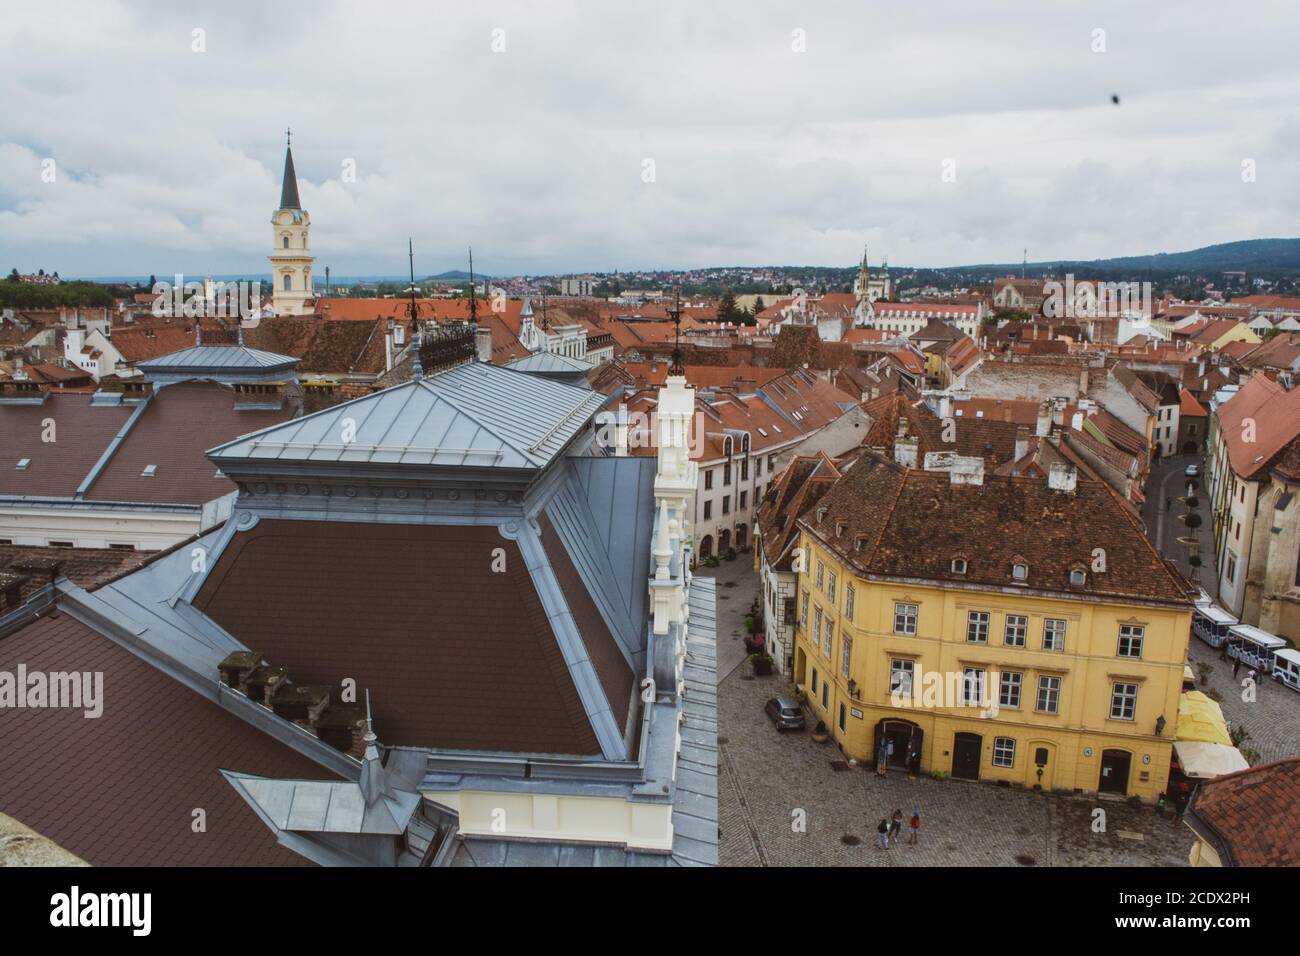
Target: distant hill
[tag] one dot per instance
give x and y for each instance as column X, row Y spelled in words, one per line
column 1248, row 255
column 457, row 275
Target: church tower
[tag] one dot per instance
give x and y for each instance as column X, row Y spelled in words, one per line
column 291, row 256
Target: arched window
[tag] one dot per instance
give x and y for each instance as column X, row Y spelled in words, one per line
column 285, row 240
column 288, row 282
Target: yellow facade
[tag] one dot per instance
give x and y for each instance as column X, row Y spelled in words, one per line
column 849, row 686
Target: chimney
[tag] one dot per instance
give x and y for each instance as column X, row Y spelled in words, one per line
column 1044, row 424
column 966, row 471
column 483, row 343
column 905, row 451
column 1062, row 477
column 1022, row 442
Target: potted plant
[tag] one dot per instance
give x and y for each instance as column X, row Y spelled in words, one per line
column 820, row 734
column 762, row 663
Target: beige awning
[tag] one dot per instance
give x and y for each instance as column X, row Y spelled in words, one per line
column 1206, row 760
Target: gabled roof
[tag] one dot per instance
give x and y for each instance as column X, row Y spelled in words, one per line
column 551, row 363
column 474, row 415
column 1275, row 420
column 204, row 359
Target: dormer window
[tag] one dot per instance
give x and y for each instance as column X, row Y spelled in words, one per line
column 1078, row 577
column 958, row 565
column 839, row 528
column 821, row 514
column 1020, row 571
column 726, row 446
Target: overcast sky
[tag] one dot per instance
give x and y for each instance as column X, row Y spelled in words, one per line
column 167, row 159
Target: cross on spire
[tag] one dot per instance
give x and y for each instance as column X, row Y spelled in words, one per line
column 288, row 136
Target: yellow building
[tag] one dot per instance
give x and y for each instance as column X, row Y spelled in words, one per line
column 995, row 628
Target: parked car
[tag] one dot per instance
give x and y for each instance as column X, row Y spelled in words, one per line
column 785, row 713
column 1192, row 471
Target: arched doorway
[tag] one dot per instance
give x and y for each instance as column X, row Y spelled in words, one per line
column 724, row 540
column 741, row 532
column 1190, row 448
column 907, row 738
column 800, row 666
column 1114, row 771
column 706, row 546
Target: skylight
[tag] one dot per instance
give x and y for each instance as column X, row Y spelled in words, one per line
column 149, row 471
column 23, row 464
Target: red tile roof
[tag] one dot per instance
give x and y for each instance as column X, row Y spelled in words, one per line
column 1251, row 817
column 1274, row 414
column 121, row 789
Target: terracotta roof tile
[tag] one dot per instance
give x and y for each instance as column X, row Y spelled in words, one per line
column 1251, row 817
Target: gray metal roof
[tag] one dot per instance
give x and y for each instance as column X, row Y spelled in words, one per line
column 549, row 363
column 217, row 358
column 323, row 806
column 475, row 415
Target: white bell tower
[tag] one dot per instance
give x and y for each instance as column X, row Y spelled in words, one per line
column 291, row 256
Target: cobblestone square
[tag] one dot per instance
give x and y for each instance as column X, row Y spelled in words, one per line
column 767, row 779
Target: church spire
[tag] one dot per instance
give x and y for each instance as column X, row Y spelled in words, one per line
column 289, row 189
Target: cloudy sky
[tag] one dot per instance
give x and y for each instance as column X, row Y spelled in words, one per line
column 558, row 136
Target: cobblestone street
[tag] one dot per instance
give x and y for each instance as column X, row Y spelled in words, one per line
column 766, row 778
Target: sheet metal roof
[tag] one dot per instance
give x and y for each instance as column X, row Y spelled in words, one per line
column 543, row 363
column 475, row 415
column 217, row 357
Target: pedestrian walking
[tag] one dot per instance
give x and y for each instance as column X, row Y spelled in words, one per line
column 889, row 753
column 915, row 825
column 1252, row 677
column 1236, row 666
column 896, row 825
column 882, row 755
column 883, row 830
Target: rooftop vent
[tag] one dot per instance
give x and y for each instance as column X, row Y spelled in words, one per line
column 149, row 471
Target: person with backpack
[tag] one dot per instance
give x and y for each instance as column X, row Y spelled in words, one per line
column 883, row 830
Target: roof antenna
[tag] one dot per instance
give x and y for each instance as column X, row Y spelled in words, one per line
column 239, row 324
column 417, row 369
column 676, row 313
column 198, row 331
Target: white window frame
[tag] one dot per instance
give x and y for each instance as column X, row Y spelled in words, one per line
column 977, row 627
column 1004, row 752
column 908, row 616
column 1021, row 630
column 1048, row 692
column 1125, row 695
column 1050, row 630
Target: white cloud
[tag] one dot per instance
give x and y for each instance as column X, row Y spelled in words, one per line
column 169, row 160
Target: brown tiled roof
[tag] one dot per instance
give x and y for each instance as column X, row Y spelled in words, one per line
column 455, row 655
column 615, row 675
column 121, row 789
column 1251, row 817
column 82, row 433
column 911, row 524
column 85, row 567
column 1275, row 414
column 795, row 491
column 990, row 439
column 180, row 423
